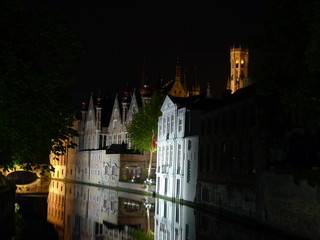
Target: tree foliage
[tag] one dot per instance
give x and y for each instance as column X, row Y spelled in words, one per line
column 36, row 112
column 144, row 125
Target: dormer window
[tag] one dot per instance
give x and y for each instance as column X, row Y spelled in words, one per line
column 180, row 125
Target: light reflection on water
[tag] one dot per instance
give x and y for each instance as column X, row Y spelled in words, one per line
column 79, row 211
column 88, row 212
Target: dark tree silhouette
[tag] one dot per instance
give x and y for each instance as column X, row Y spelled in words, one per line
column 36, row 112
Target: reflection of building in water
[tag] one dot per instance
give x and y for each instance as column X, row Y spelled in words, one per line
column 174, row 221
column 56, row 205
column 87, row 212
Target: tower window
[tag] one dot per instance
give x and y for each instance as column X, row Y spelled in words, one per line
column 242, row 63
column 237, row 63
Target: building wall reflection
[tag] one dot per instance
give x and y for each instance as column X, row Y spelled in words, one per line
column 174, row 221
column 87, row 212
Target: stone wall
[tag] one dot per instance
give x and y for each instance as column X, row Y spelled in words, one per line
column 291, row 201
column 285, row 200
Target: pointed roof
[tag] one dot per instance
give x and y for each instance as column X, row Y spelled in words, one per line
column 178, row 89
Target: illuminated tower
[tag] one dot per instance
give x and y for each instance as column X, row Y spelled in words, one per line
column 178, row 89
column 239, row 59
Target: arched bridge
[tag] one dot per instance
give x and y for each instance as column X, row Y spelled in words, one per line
column 27, row 181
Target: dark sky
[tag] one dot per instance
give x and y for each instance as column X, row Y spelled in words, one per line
column 116, row 35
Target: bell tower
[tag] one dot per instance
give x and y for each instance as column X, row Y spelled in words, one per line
column 239, row 60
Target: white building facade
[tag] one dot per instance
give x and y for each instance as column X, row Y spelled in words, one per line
column 177, row 150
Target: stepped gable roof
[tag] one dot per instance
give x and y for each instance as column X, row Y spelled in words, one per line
column 197, row 102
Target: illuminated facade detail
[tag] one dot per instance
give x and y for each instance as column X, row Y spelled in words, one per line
column 121, row 115
column 239, row 60
column 90, row 126
column 179, row 88
column 177, row 155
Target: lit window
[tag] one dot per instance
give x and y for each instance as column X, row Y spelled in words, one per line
column 133, row 173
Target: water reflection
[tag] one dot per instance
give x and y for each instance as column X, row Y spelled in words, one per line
column 80, row 211
column 88, row 212
column 176, row 221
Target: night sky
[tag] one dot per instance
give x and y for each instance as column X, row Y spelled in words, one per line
column 117, row 35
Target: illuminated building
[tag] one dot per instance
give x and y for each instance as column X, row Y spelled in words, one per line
column 177, row 146
column 239, row 61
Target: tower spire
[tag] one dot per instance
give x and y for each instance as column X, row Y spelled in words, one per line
column 178, row 89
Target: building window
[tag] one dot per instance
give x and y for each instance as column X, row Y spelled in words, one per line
column 158, row 184
column 114, row 124
column 131, row 207
column 189, row 144
column 160, row 126
column 165, row 209
column 112, row 205
column 172, row 123
column 178, row 189
column 114, row 170
column 187, row 232
column 157, row 206
column 171, row 155
column 168, row 124
column 180, row 125
column 177, row 213
column 133, row 173
column 179, row 159
column 237, row 63
column 167, row 156
column 165, row 185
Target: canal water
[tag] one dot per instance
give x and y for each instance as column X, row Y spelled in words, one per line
column 78, row 211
